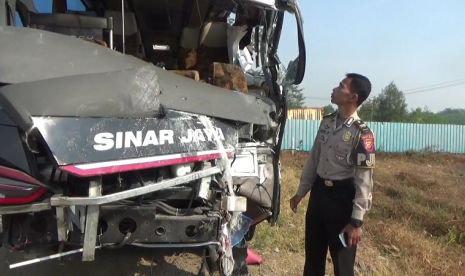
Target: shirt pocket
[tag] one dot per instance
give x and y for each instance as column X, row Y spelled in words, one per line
column 342, row 153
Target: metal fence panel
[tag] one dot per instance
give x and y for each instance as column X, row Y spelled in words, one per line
column 389, row 137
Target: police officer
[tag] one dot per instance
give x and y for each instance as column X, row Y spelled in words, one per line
column 339, row 175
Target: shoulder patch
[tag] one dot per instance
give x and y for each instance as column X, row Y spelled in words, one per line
column 362, row 126
column 368, row 142
column 365, row 147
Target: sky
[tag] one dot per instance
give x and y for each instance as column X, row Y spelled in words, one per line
column 414, row 43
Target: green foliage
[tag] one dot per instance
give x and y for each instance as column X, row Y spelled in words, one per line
column 456, row 236
column 390, row 106
column 369, row 110
column 295, row 97
column 416, row 116
column 424, row 116
column 454, row 116
column 328, row 109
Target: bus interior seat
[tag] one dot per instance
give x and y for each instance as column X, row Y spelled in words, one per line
column 228, row 76
column 212, row 48
column 90, row 28
column 190, row 35
column 204, row 48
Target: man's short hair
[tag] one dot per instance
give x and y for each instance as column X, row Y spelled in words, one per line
column 359, row 85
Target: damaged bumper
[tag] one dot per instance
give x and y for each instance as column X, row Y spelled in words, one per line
column 105, row 223
column 99, row 200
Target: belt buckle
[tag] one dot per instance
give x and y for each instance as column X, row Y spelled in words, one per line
column 328, row 183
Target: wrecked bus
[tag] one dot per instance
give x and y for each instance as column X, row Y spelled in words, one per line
column 155, row 124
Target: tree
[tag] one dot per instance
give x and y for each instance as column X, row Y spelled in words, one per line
column 430, row 117
column 391, row 105
column 454, row 116
column 328, row 109
column 424, row 116
column 415, row 116
column 295, row 97
column 369, row 109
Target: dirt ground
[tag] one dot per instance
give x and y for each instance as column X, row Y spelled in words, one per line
column 133, row 262
column 416, row 227
column 130, row 262
column 140, row 262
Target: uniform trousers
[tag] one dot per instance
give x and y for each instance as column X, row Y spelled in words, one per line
column 329, row 211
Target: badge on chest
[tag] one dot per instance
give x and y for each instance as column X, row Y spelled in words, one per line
column 346, row 136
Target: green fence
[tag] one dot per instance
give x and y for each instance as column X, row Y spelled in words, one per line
column 389, row 137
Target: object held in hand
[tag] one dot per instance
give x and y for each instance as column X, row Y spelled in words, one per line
column 344, row 238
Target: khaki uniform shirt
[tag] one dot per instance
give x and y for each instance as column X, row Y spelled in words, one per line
column 341, row 152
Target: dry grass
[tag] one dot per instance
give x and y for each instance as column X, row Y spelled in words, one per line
column 416, row 226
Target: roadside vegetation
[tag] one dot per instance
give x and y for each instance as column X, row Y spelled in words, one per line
column 416, row 225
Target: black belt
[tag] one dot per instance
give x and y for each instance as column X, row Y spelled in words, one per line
column 340, row 182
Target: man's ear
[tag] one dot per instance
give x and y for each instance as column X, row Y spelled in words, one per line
column 355, row 97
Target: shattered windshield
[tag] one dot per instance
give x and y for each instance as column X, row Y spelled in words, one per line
column 182, row 36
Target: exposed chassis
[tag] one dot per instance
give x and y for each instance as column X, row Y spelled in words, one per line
column 66, row 210
column 62, row 201
column 58, row 200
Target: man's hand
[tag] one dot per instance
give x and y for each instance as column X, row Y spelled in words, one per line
column 354, row 234
column 294, row 202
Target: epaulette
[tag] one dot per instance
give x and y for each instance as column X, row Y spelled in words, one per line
column 362, row 126
column 330, row 115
